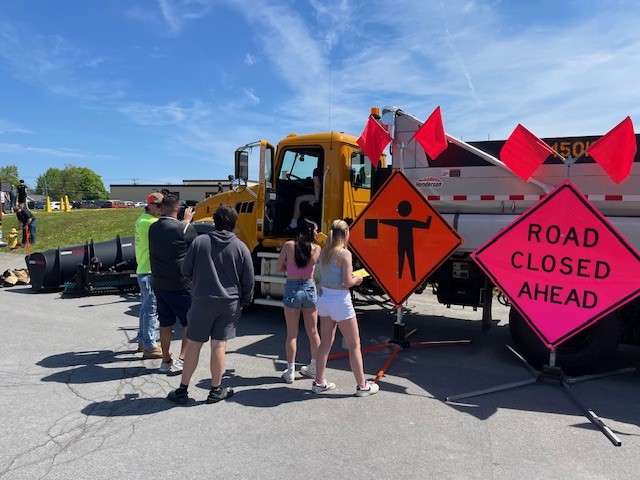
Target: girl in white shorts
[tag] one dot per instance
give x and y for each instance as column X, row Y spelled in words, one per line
column 334, row 274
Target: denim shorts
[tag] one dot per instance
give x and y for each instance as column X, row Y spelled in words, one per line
column 300, row 294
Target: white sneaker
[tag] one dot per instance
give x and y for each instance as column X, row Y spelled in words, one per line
column 370, row 388
column 308, row 370
column 289, row 375
column 319, row 388
column 177, row 365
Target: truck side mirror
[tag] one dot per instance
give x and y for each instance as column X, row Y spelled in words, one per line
column 242, row 165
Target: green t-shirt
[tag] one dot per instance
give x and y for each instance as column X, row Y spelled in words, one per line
column 143, row 223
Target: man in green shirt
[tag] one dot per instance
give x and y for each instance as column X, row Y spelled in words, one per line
column 148, row 311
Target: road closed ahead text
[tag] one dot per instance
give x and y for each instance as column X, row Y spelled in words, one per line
column 552, row 263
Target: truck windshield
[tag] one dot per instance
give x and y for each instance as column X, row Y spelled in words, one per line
column 299, row 163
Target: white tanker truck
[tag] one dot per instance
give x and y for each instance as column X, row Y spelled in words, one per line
column 478, row 195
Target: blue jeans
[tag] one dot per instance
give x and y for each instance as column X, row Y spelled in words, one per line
column 32, row 233
column 148, row 313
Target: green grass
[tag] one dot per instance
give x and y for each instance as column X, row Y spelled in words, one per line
column 66, row 229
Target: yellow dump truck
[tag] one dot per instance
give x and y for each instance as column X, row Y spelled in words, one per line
column 265, row 207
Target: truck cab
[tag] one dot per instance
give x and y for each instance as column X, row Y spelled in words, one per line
column 265, row 206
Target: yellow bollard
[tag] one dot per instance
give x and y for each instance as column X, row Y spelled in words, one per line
column 66, row 205
column 47, row 205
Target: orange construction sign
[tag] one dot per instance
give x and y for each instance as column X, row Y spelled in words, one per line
column 401, row 239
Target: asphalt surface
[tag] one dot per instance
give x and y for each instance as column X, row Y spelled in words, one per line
column 79, row 402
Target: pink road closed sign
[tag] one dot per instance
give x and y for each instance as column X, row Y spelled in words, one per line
column 562, row 265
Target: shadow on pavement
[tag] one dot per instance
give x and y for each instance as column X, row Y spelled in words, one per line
column 130, row 405
column 89, row 367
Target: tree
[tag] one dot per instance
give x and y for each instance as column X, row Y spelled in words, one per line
column 78, row 183
column 9, row 173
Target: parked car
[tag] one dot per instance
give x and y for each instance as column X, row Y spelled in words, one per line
column 115, row 204
column 55, row 205
column 86, row 204
column 140, row 204
column 37, row 205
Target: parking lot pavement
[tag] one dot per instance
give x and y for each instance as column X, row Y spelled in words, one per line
column 78, row 402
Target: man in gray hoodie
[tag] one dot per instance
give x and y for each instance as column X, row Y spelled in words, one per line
column 221, row 270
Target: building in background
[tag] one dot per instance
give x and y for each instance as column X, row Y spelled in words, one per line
column 187, row 191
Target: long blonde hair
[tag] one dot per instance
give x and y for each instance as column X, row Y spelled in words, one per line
column 336, row 241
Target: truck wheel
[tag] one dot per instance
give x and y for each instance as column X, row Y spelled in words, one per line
column 582, row 353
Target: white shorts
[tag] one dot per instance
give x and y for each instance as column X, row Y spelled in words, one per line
column 335, row 303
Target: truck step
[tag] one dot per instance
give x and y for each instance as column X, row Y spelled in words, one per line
column 271, row 278
column 268, row 301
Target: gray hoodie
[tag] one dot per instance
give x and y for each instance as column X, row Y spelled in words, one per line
column 220, row 267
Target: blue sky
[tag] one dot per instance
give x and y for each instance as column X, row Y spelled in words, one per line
column 157, row 91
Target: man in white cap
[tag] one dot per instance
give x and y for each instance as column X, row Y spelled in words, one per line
column 148, row 310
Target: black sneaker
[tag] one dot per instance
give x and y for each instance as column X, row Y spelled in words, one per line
column 179, row 396
column 216, row 395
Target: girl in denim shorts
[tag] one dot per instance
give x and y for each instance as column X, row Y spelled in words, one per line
column 298, row 258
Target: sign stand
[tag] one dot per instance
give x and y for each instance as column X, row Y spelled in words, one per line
column 398, row 343
column 553, row 373
column 424, row 242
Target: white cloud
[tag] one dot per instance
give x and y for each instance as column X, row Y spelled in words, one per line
column 171, row 114
column 16, row 148
column 251, row 96
column 52, row 62
column 487, row 70
column 7, row 128
column 177, row 13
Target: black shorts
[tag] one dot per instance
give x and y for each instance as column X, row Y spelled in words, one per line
column 213, row 318
column 172, row 304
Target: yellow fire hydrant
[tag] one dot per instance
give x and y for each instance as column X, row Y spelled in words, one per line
column 12, row 238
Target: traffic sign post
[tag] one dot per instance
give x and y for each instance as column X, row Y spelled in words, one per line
column 563, row 266
column 414, row 240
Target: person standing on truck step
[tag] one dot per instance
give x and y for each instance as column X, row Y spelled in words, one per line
column 169, row 239
column 22, row 194
column 221, row 270
column 312, row 198
column 334, row 274
column 298, row 259
column 148, row 318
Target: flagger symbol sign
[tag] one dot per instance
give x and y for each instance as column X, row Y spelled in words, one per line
column 401, row 238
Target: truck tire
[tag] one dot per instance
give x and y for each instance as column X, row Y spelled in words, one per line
column 583, row 353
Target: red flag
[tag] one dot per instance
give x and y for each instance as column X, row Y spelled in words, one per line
column 523, row 152
column 616, row 150
column 431, row 135
column 373, row 140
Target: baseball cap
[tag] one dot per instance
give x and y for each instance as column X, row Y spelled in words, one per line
column 154, row 198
